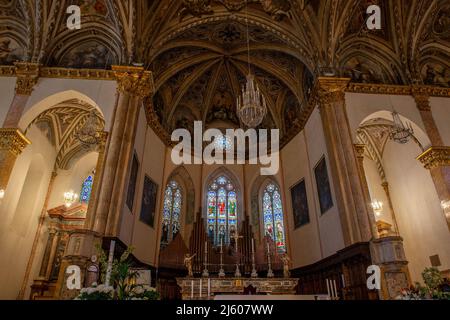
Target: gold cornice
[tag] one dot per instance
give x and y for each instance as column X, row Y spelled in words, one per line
column 64, row 73
column 83, row 74
column 7, row 71
column 369, row 88
column 435, row 157
column 13, row 140
column 134, row 80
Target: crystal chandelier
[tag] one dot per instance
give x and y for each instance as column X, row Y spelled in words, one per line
column 89, row 134
column 400, row 132
column 251, row 106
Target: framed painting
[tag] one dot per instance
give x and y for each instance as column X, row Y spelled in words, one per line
column 323, row 186
column 148, row 206
column 132, row 183
column 300, row 204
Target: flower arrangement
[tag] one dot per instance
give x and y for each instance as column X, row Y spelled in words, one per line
column 432, row 290
column 123, row 280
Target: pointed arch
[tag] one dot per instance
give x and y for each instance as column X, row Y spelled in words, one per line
column 268, row 210
column 223, row 203
column 182, row 176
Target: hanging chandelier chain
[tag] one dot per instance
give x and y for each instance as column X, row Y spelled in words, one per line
column 251, row 106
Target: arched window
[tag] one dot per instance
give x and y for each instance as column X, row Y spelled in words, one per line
column 222, row 211
column 273, row 216
column 86, row 189
column 171, row 212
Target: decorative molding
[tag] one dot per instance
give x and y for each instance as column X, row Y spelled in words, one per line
column 64, row 73
column 435, row 157
column 370, row 88
column 7, row 71
column 13, row 140
column 84, row 74
column 134, row 80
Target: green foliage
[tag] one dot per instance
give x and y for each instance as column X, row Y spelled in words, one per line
column 123, row 281
column 433, row 281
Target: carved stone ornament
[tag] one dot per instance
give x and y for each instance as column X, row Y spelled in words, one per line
column 332, row 89
column 435, row 157
column 27, row 76
column 134, row 80
column 13, row 140
column 196, row 8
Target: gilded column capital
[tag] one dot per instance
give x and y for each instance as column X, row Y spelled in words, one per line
column 27, row 74
column 331, row 89
column 13, row 140
column 435, row 157
column 134, row 80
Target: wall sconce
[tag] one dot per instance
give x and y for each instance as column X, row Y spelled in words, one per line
column 377, row 207
column 70, row 198
column 2, row 194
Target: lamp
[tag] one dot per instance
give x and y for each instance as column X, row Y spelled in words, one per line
column 251, row 106
column 70, row 198
column 377, row 207
column 445, row 204
column 2, row 194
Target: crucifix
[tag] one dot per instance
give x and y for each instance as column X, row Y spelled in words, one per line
column 236, row 238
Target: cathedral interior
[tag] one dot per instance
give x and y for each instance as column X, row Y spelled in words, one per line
column 88, row 114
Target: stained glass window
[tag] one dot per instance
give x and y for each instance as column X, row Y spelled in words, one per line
column 86, row 189
column 222, row 211
column 273, row 216
column 171, row 212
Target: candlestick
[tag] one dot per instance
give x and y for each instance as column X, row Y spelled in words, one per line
column 328, row 288
column 192, row 289
column 221, row 271
column 201, row 287
column 110, row 262
column 269, row 263
column 254, row 272
column 335, row 290
column 209, row 288
column 205, row 263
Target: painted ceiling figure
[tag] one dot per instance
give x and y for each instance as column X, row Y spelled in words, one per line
column 197, row 49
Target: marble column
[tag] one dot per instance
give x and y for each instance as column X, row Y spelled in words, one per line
column 12, row 140
column 90, row 215
column 348, row 186
column 360, row 149
column 134, row 84
column 437, row 157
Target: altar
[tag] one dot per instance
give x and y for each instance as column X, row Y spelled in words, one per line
column 209, row 288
